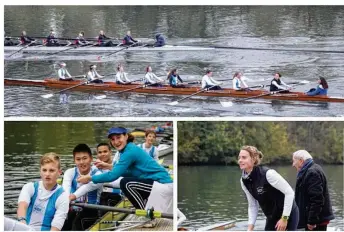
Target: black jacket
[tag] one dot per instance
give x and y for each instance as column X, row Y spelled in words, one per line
column 312, row 197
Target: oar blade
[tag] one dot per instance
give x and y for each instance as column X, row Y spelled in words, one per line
column 226, row 103
column 47, row 95
column 100, row 97
column 173, row 103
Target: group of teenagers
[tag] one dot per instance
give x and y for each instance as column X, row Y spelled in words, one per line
column 133, row 173
column 308, row 208
column 207, row 82
column 102, row 40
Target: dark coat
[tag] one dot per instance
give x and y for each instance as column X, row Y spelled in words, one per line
column 312, row 197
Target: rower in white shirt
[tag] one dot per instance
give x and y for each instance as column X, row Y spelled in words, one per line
column 85, row 193
column 209, row 83
column 93, row 76
column 63, row 73
column 151, row 78
column 238, row 82
column 121, row 76
column 42, row 205
column 147, row 146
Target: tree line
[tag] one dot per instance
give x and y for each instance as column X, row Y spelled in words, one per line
column 219, row 143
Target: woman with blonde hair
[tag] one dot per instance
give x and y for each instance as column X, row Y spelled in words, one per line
column 270, row 190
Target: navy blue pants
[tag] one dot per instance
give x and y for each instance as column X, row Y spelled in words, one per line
column 136, row 190
column 292, row 222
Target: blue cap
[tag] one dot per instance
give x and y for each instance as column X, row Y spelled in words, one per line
column 117, row 131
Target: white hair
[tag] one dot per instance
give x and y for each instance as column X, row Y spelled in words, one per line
column 302, row 154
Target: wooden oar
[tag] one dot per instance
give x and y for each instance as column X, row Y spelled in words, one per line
column 21, row 49
column 230, row 103
column 63, row 90
column 137, row 212
column 126, row 47
column 184, row 98
column 70, row 48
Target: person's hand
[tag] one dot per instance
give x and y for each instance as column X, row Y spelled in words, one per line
column 84, row 179
column 100, row 164
column 311, row 227
column 281, row 225
column 72, row 197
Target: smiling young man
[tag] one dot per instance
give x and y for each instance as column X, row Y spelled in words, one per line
column 78, row 218
column 43, row 205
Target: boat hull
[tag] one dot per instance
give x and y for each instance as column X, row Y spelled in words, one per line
column 167, row 90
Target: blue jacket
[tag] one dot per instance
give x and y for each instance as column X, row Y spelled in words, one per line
column 160, row 41
column 135, row 162
column 318, row 91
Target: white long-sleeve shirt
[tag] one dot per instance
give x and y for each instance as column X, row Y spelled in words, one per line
column 283, row 86
column 122, row 77
column 63, row 73
column 181, row 217
column 92, row 75
column 206, row 80
column 276, row 181
column 41, row 203
column 154, row 154
column 239, row 83
column 151, row 78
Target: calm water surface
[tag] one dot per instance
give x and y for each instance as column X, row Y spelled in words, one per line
column 26, row 142
column 212, row 194
column 292, row 27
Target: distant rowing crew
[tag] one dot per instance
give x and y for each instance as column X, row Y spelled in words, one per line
column 133, row 172
column 175, row 81
column 80, row 40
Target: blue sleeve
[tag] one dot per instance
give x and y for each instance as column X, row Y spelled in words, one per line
column 315, row 92
column 117, row 171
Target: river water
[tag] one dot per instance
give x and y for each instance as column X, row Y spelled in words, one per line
column 284, row 27
column 212, row 194
column 26, row 142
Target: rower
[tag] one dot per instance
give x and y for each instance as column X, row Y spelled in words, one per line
column 101, row 40
column 209, row 82
column 149, row 184
column 238, row 83
column 173, row 78
column 25, row 40
column 43, row 205
column 128, row 40
column 51, row 41
column 321, row 88
column 80, row 40
column 93, row 76
column 160, row 40
column 85, row 193
column 105, row 162
column 147, row 146
column 63, row 74
column 151, row 79
column 278, row 85
column 121, row 76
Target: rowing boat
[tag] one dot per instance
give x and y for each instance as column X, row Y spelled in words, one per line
column 225, row 92
column 43, row 49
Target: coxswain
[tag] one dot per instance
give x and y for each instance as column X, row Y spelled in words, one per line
column 80, row 40
column 151, row 79
column 238, row 83
column 174, row 79
column 160, row 40
column 121, row 76
column 43, row 205
column 51, row 40
column 321, row 89
column 145, row 183
column 266, row 188
column 26, row 40
column 105, row 162
column 278, row 85
column 147, row 146
column 63, row 73
column 209, row 83
column 128, row 40
column 93, row 76
column 81, row 193
column 102, row 40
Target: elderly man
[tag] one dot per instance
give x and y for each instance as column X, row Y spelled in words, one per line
column 311, row 193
